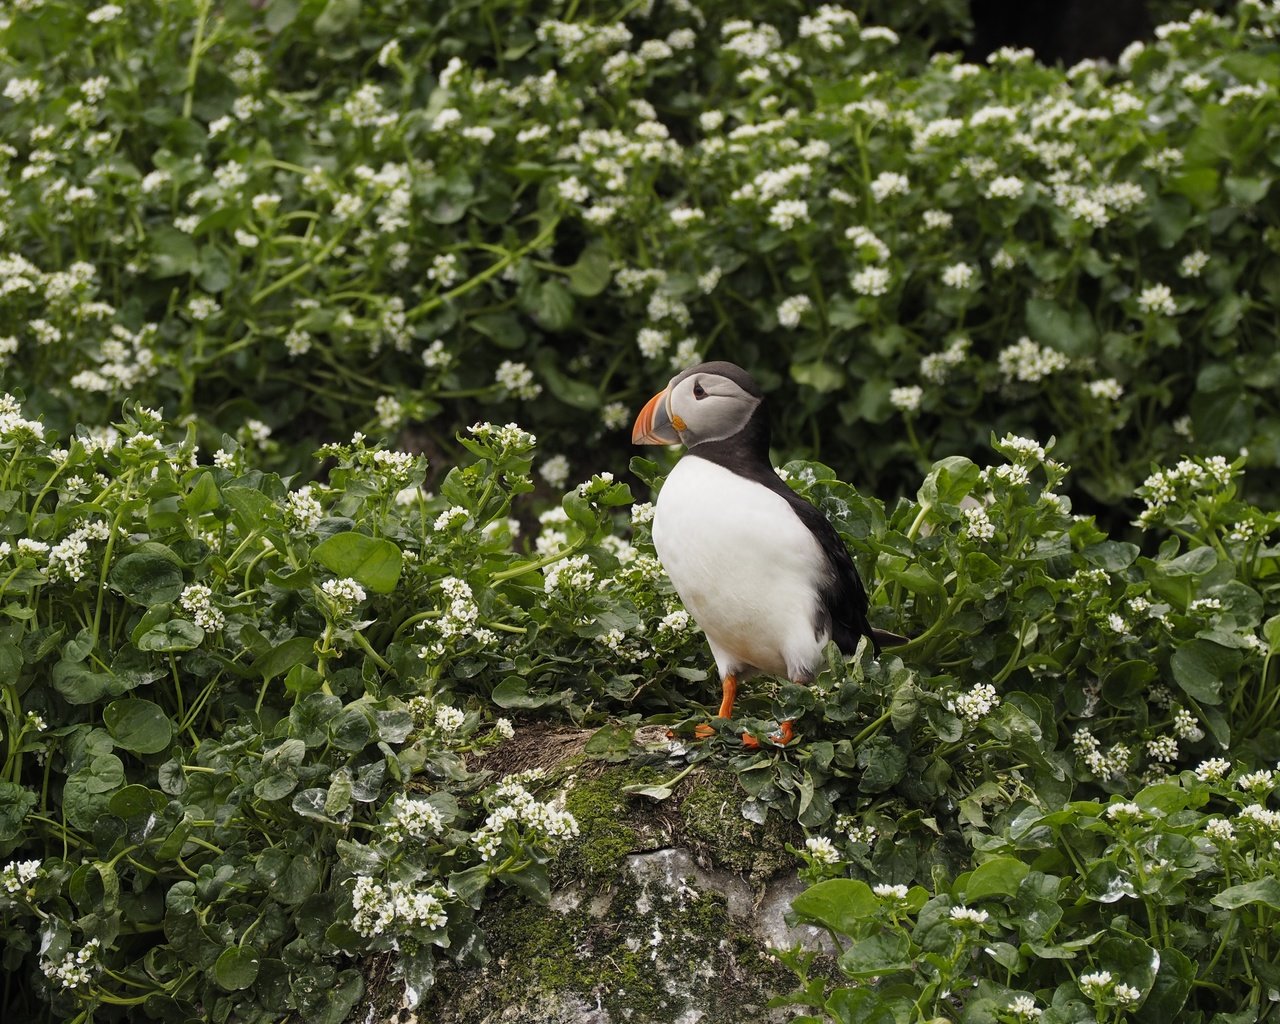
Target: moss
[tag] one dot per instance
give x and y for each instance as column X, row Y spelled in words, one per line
column 605, row 835
column 711, row 811
column 616, row 946
column 651, row 955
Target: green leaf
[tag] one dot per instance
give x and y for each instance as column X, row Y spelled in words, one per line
column 1070, row 331
column 1200, row 667
column 236, row 968
column 173, row 253
column 503, row 329
column 844, row 905
column 877, row 955
column 204, row 496
column 572, row 392
column 174, row 635
column 370, row 561
column 551, row 304
column 823, row 377
column 513, row 692
column 15, row 802
column 949, row 481
column 591, row 274
column 1000, row 876
column 1264, row 890
column 337, row 16
column 150, row 575
column 883, row 764
column 138, row 725
column 283, row 657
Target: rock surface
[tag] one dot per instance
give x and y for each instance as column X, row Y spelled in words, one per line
column 661, row 912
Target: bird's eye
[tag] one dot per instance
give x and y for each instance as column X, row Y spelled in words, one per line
column 699, row 391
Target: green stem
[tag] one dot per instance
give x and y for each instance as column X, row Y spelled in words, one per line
column 197, row 45
column 497, row 267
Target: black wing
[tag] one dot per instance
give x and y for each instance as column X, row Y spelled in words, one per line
column 844, row 598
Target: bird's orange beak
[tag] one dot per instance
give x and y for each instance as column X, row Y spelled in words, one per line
column 654, row 425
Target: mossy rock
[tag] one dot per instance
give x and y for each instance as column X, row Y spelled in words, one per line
column 661, row 913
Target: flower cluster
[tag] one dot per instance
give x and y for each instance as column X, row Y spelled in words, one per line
column 197, row 599
column 396, row 907
column 518, row 815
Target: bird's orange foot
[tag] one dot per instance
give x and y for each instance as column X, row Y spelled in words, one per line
column 778, row 737
column 704, row 731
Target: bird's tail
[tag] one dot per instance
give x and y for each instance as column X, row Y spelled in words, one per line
column 883, row 638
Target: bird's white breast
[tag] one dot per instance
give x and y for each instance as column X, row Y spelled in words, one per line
column 745, row 566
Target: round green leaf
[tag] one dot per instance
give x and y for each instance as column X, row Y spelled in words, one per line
column 369, row 561
column 150, row 575
column 174, row 635
column 138, row 725
column 236, row 968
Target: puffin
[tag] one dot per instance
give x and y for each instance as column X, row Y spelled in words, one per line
column 761, row 570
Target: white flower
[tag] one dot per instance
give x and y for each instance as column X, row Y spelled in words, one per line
column 198, row 600
column 958, row 275
column 936, row 366
column 937, row 220
column 821, row 849
column 1258, row 782
column 555, row 471
column 786, row 213
column 885, row 891
column 1024, row 1008
column 871, row 281
column 1025, row 360
column 451, row 517
column 1219, row 830
column 889, row 183
column 978, row 525
column 674, row 622
column 504, row 728
column 573, row 190
column 652, row 342
column 105, row 13
column 75, row 970
column 1158, row 299
column 1124, row 812
column 17, row 875
column 345, row 593
column 1006, row 187
column 413, row 819
column 1106, row 387
column 906, row 399
column 518, row 379
column 967, row 915
column 302, row 509
column 449, row 719
column 1193, row 263
column 977, row 703
column 1095, row 983
column 791, row 309
column 1215, row 769
column 1126, row 994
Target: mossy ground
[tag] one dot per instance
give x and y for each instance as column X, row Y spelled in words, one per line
column 616, row 946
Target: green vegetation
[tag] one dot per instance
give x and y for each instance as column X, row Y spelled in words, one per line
column 247, row 695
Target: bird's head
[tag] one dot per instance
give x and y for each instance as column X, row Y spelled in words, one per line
column 707, row 402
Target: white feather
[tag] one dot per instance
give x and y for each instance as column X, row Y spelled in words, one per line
column 745, row 566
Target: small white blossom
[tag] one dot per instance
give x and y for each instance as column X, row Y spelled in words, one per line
column 1157, row 299
column 906, row 399
column 345, row 593
column 791, row 309
column 822, row 850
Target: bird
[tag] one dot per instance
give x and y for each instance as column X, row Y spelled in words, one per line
column 762, row 571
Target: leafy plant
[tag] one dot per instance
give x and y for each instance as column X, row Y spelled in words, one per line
column 277, row 221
